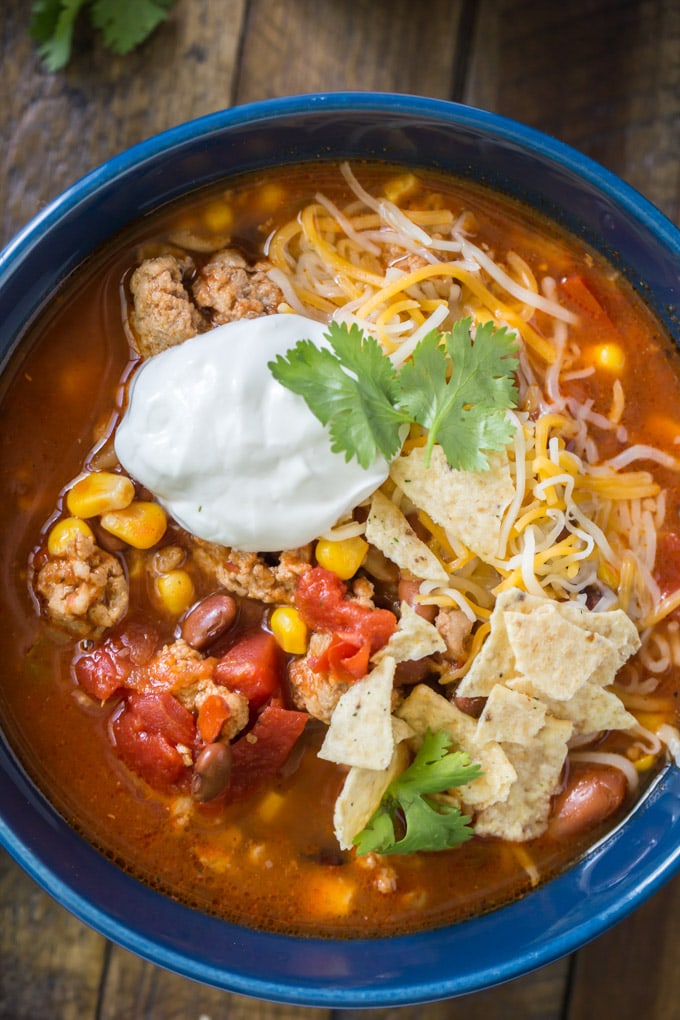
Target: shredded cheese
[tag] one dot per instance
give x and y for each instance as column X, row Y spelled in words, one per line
column 578, row 523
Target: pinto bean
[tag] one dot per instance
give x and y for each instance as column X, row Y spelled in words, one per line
column 471, row 706
column 208, row 620
column 591, row 795
column 212, row 772
column 412, row 671
column 407, row 590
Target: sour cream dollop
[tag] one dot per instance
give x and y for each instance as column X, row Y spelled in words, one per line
column 229, row 452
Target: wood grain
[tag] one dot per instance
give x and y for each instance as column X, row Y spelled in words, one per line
column 50, row 963
column 632, row 970
column 57, row 127
column 322, row 45
column 602, row 75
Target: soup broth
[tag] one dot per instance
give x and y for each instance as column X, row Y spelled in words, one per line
column 586, row 515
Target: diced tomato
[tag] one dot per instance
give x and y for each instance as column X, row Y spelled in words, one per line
column 160, row 712
column 344, row 657
column 359, row 631
column 147, row 733
column 212, row 715
column 259, row 755
column 580, row 295
column 667, row 569
column 107, row 667
column 252, row 668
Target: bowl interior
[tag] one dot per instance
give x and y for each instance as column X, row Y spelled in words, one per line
column 617, row 874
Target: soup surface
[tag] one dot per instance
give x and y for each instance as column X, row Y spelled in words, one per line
column 462, row 668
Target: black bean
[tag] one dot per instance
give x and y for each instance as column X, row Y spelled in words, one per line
column 208, row 620
column 212, row 771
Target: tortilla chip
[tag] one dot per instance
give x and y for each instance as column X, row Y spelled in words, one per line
column 469, row 505
column 361, row 795
column 613, row 624
column 496, row 662
column 557, row 656
column 510, row 715
column 591, row 710
column 389, row 531
column 414, row 638
column 425, row 710
column 360, row 730
column 524, row 813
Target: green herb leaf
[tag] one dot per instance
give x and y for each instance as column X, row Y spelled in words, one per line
column 464, row 408
column 428, row 823
column 352, row 389
column 124, row 24
column 127, row 23
column 51, row 25
column 456, row 388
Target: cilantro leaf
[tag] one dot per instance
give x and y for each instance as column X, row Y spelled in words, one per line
column 124, row 24
column 51, row 26
column 428, row 823
column 127, row 23
column 352, row 389
column 460, row 392
column 457, row 389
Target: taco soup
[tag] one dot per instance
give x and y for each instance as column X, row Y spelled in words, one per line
column 341, row 550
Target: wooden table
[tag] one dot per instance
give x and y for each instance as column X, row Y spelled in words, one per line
column 603, row 75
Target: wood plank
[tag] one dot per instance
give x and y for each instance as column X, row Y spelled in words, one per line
column 135, row 988
column 309, row 45
column 57, row 127
column 602, row 75
column 537, row 996
column 51, row 963
column 633, row 970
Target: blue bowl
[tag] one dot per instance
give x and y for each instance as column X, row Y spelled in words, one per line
column 615, row 876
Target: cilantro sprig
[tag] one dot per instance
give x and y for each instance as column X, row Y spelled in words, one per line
column 408, row 804
column 457, row 388
column 124, row 25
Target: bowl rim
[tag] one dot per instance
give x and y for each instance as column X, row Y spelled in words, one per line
column 307, row 103
column 547, row 938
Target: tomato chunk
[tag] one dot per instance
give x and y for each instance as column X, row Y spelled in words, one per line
column 212, row 714
column 147, row 734
column 580, row 294
column 107, row 667
column 359, row 631
column 345, row 658
column 262, row 753
column 251, row 668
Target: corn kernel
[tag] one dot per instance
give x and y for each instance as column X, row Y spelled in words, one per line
column 289, row 629
column 664, row 427
column 400, row 187
column 140, row 524
column 98, row 493
column 610, row 357
column 270, row 805
column 176, row 590
column 218, row 216
column 344, row 557
column 651, row 720
column 644, row 763
column 270, row 197
column 64, row 532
